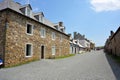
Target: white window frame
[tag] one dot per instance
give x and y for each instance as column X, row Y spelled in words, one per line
column 53, row 36
column 53, row 51
column 26, row 11
column 41, row 19
column 32, row 29
column 43, row 32
column 31, row 50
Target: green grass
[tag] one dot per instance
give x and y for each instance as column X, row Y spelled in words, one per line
column 16, row 65
column 66, row 56
column 61, row 57
column 116, row 58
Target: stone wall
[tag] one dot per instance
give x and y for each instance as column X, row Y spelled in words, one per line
column 113, row 44
column 116, row 46
column 2, row 33
column 16, row 39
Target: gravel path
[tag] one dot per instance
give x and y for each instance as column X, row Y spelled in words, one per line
column 89, row 66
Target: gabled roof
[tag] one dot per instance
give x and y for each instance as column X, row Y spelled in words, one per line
column 115, row 33
column 16, row 7
column 27, row 5
column 10, row 4
column 39, row 13
column 75, row 42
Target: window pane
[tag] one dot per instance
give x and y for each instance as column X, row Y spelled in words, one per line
column 53, row 50
column 29, row 29
column 53, row 35
column 28, row 12
column 28, row 50
column 43, row 32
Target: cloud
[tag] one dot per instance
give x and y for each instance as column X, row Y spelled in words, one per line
column 105, row 5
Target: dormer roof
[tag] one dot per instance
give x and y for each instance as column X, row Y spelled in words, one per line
column 27, row 5
column 15, row 6
column 39, row 13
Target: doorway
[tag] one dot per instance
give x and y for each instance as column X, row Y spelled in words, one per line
column 42, row 51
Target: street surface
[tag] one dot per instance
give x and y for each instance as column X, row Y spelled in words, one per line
column 95, row 65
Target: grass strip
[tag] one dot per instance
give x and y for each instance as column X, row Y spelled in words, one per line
column 66, row 56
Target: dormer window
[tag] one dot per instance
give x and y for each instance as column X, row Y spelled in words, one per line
column 56, row 27
column 26, row 10
column 39, row 16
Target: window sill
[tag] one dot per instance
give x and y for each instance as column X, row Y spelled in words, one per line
column 29, row 34
column 53, row 39
column 28, row 56
column 43, row 37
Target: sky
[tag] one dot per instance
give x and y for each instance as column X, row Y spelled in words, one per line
column 92, row 18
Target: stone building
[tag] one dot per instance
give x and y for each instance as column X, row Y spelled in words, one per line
column 26, row 36
column 112, row 43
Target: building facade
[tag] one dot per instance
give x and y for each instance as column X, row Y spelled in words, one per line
column 75, row 46
column 86, row 44
column 26, row 36
column 112, row 43
column 79, row 43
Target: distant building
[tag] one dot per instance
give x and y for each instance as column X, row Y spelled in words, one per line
column 79, row 43
column 75, row 46
column 92, row 46
column 27, row 36
column 82, row 40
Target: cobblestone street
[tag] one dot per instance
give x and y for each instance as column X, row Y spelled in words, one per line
column 93, row 65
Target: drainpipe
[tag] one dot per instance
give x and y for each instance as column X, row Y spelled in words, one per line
column 5, row 30
column 4, row 50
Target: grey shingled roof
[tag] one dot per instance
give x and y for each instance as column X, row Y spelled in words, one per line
column 10, row 4
column 17, row 6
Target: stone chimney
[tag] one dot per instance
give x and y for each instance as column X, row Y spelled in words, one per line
column 60, row 23
column 75, row 34
column 111, row 32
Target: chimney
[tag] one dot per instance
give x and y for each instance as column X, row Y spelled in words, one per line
column 60, row 23
column 111, row 32
column 75, row 34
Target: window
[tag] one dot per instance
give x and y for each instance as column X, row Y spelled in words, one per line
column 53, row 50
column 43, row 33
column 41, row 18
column 28, row 11
column 29, row 29
column 53, row 36
column 28, row 50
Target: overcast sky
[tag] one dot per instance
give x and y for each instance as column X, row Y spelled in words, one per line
column 92, row 18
